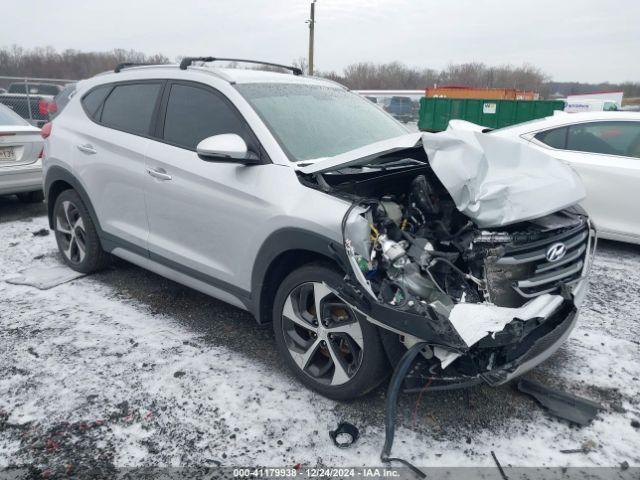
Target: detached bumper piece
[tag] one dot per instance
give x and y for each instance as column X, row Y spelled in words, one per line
column 497, row 359
column 564, row 405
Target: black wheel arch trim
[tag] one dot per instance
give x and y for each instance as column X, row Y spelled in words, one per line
column 57, row 173
column 280, row 242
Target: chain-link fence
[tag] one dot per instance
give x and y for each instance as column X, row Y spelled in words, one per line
column 37, row 100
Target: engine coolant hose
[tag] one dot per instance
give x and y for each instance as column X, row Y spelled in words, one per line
column 392, row 406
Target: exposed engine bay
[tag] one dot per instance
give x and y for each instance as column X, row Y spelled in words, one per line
column 428, row 272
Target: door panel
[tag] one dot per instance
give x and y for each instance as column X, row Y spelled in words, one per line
column 206, row 216
column 110, row 155
column 203, row 215
column 114, row 177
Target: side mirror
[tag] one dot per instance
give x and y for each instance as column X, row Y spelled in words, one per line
column 227, row 147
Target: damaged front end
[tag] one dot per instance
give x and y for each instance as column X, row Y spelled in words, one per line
column 491, row 302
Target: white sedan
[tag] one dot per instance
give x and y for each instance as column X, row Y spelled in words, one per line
column 604, row 148
column 20, row 157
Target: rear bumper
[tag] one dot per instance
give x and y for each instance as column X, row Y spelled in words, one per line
column 19, row 179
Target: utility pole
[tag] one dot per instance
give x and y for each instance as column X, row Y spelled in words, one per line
column 311, row 23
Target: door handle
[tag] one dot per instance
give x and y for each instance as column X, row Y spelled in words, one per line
column 87, row 148
column 159, row 173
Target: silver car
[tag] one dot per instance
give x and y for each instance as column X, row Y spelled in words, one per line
column 21, row 147
column 309, row 206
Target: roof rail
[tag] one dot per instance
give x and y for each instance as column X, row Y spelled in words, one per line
column 122, row 66
column 186, row 61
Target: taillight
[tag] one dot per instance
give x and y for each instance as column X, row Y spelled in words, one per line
column 52, row 107
column 45, row 131
column 43, row 107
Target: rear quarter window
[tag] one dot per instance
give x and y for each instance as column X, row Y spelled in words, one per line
column 92, row 101
column 555, row 138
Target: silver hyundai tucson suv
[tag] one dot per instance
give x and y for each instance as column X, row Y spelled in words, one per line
column 312, row 208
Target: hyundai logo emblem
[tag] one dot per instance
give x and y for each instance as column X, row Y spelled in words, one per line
column 556, row 251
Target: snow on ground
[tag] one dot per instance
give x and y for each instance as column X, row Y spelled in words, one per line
column 91, row 377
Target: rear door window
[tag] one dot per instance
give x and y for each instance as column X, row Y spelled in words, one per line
column 130, row 107
column 608, row 138
column 555, row 138
column 194, row 113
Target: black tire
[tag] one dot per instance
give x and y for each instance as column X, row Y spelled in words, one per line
column 91, row 257
column 31, row 197
column 365, row 369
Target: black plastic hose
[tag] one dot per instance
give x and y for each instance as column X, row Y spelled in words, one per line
column 392, row 406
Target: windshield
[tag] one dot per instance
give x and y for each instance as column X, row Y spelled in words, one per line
column 315, row 121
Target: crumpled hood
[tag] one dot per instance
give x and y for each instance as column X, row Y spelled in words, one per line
column 497, row 181
column 494, row 181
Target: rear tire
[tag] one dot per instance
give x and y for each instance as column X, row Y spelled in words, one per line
column 311, row 346
column 76, row 234
column 31, row 197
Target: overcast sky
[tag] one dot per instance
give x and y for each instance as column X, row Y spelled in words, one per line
column 584, row 40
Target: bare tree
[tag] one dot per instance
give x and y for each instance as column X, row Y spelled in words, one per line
column 394, row 75
column 74, row 64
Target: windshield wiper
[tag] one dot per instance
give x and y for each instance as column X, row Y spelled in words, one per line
column 393, row 163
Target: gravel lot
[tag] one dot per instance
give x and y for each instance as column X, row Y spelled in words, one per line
column 125, row 368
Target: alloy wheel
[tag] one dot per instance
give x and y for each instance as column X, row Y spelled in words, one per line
column 322, row 333
column 71, row 232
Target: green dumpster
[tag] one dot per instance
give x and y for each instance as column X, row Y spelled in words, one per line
column 435, row 112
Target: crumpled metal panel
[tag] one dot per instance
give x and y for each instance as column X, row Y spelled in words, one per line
column 497, row 181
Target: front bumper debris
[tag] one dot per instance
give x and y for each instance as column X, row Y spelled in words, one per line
column 564, row 405
column 482, row 341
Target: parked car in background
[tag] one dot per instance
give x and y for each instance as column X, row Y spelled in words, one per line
column 604, row 148
column 402, row 108
column 61, row 100
column 305, row 204
column 31, row 100
column 20, row 157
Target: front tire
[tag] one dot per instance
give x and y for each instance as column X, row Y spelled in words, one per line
column 336, row 353
column 76, row 234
